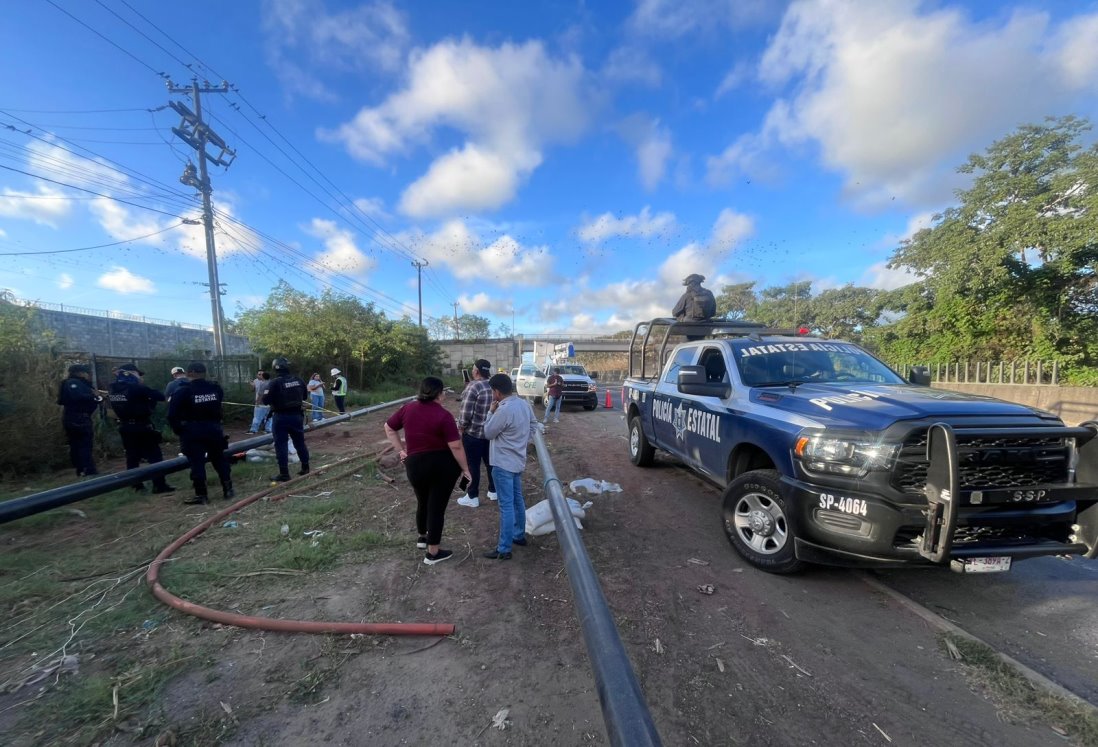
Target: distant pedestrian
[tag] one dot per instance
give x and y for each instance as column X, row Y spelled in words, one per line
column 554, row 390
column 194, row 414
column 259, row 412
column 179, row 378
column 511, row 420
column 339, row 390
column 286, row 396
column 316, row 396
column 433, row 458
column 133, row 403
column 475, row 401
column 79, row 401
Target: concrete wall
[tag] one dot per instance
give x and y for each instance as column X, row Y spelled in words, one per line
column 84, row 333
column 1073, row 404
column 457, row 354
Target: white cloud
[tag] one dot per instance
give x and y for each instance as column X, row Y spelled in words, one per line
column 739, row 74
column 42, row 207
column 64, row 281
column 503, row 262
column 121, row 280
column 304, row 36
column 373, row 207
column 340, row 254
column 50, row 159
column 879, row 276
column 895, row 95
column 642, row 225
column 631, row 64
column 479, row 303
column 672, row 19
column 509, row 102
column 652, row 143
column 730, row 229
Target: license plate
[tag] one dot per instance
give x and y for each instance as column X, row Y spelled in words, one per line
column 981, row 565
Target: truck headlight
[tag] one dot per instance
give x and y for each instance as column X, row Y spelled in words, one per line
column 844, row 456
column 592, row 387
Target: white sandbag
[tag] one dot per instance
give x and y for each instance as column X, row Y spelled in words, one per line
column 594, row 487
column 539, row 517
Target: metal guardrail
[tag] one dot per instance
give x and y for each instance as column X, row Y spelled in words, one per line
column 1013, row 372
column 106, row 314
column 624, row 709
column 17, row 508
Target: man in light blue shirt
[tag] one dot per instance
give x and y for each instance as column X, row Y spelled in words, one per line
column 508, row 427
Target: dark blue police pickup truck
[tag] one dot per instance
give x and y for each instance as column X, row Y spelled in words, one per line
column 826, row 455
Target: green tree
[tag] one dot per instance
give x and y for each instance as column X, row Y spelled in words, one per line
column 786, row 306
column 737, row 301
column 845, row 313
column 1010, row 271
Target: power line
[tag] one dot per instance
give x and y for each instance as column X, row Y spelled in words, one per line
column 91, row 192
column 114, row 44
column 97, row 246
column 143, row 34
column 75, row 111
column 170, row 38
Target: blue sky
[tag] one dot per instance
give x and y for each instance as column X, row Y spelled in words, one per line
column 567, row 162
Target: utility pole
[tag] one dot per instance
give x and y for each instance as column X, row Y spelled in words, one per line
column 455, row 320
column 419, row 264
column 197, row 134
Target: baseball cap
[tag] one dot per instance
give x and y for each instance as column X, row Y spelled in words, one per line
column 131, row 367
column 177, row 369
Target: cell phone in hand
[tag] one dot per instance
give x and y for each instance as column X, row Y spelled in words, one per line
column 463, row 483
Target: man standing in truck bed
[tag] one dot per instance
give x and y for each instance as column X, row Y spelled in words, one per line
column 697, row 304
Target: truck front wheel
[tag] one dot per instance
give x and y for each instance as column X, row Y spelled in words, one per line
column 757, row 522
column 641, row 453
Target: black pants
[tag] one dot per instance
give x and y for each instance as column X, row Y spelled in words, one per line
column 201, row 442
column 142, row 442
column 476, row 451
column 340, row 399
column 289, row 426
column 433, row 475
column 81, row 436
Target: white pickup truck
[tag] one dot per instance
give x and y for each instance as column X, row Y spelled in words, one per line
column 579, row 386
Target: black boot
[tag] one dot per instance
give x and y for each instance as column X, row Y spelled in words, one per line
column 200, row 495
column 139, row 487
column 281, row 477
column 163, row 488
column 227, row 489
column 304, row 469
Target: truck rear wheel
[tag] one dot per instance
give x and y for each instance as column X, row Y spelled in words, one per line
column 758, row 524
column 641, row 453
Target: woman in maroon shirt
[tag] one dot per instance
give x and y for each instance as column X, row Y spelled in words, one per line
column 433, row 458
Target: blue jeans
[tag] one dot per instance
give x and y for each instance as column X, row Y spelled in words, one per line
column 550, row 403
column 318, row 402
column 512, row 507
column 259, row 414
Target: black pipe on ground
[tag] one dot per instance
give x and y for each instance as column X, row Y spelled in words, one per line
column 17, row 508
column 624, row 709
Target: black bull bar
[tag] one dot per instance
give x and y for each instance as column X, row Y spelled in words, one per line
column 946, row 496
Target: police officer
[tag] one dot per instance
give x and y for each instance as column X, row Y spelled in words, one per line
column 697, row 304
column 194, row 413
column 133, row 403
column 286, row 395
column 80, row 401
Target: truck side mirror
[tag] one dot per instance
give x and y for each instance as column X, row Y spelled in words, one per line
column 692, row 380
column 594, row 374
column 920, row 376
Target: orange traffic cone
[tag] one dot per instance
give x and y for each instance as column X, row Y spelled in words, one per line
column 609, row 402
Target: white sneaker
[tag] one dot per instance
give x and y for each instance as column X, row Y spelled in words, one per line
column 492, row 496
column 556, row 420
column 465, row 500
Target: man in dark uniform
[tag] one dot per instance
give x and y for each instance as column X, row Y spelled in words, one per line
column 286, row 395
column 133, row 403
column 194, row 413
column 697, row 304
column 80, row 401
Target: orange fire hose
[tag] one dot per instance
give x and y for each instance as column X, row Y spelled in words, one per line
column 268, row 623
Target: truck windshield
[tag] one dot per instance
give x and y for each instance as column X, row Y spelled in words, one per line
column 574, row 370
column 775, row 364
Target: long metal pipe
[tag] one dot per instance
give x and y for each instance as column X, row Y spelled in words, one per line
column 28, row 505
column 624, row 709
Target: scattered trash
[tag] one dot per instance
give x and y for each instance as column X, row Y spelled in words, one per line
column 232, row 524
column 77, row 512
column 707, row 588
column 358, row 476
column 386, row 477
column 954, row 652
column 539, row 517
column 757, row 641
column 882, row 732
column 65, row 664
column 1058, row 730
column 314, row 533
column 150, row 624
column 228, row 710
column 697, row 561
column 659, row 646
column 720, row 665
column 594, row 487
column 285, row 530
column 801, row 670
column 500, row 719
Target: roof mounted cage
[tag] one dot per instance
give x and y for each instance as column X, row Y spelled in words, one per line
column 714, row 328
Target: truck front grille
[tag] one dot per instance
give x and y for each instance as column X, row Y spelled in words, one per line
column 986, row 463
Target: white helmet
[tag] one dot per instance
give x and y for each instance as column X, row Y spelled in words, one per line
column 336, row 372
